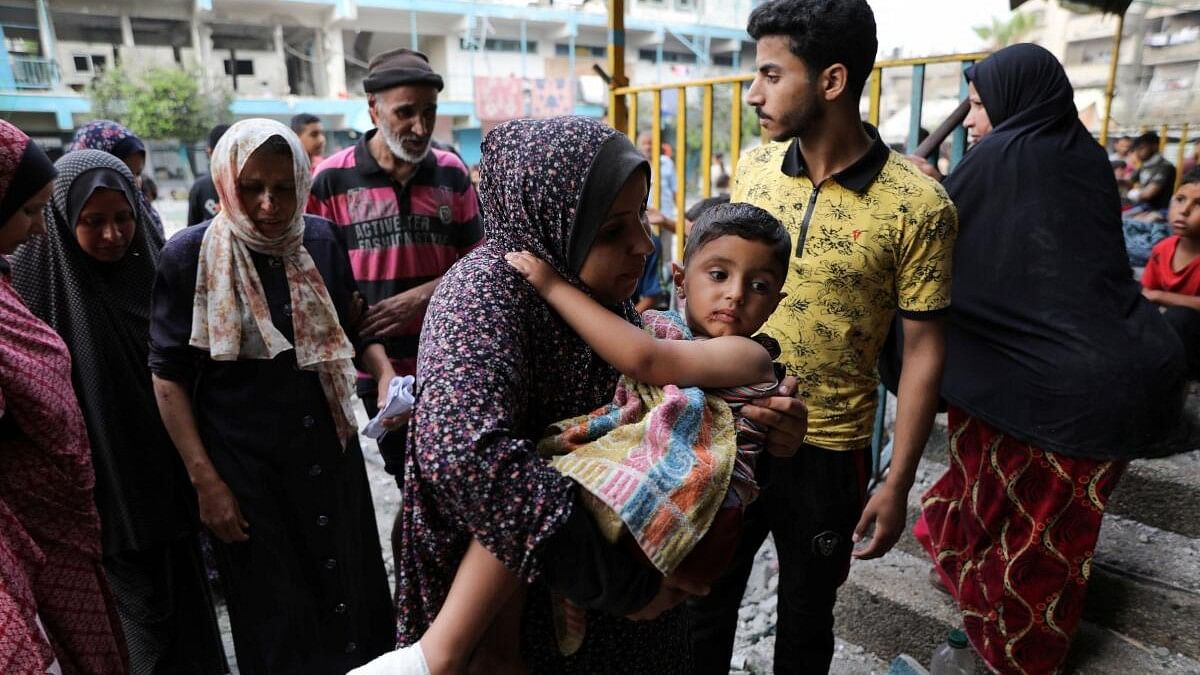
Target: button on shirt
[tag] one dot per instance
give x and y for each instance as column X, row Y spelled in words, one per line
column 871, row 240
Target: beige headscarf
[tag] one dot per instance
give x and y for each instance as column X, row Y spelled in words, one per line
column 230, row 317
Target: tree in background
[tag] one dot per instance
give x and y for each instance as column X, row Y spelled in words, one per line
column 1004, row 33
column 162, row 103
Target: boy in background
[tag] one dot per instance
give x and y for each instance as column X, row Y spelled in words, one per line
column 1172, row 276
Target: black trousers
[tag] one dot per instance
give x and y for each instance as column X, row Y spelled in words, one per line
column 391, row 446
column 1186, row 322
column 810, row 503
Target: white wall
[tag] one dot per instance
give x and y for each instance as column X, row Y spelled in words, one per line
column 269, row 78
column 66, row 52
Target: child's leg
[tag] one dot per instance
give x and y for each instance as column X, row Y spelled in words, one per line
column 482, row 588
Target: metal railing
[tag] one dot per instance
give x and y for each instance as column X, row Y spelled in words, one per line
column 629, row 95
column 34, row 73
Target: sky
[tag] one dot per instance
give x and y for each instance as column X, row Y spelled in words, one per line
column 926, row 27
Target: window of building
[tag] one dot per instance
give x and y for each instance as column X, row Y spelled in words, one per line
column 82, row 63
column 687, row 5
column 725, row 59
column 651, row 55
column 581, row 51
column 500, row 45
column 243, row 66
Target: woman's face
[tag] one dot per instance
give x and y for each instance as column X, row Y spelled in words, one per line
column 26, row 222
column 106, row 225
column 977, row 122
column 136, row 163
column 266, row 188
column 615, row 262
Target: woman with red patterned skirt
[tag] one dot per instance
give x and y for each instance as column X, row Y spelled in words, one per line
column 1057, row 370
column 56, row 611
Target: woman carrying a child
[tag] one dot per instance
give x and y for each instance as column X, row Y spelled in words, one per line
column 498, row 366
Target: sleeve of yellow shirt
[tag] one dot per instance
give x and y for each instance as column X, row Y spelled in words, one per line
column 926, row 255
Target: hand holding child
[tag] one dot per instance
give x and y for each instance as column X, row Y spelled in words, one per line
column 536, row 271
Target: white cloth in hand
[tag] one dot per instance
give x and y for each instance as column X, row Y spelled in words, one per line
column 399, row 401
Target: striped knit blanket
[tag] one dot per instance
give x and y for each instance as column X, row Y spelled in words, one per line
column 656, row 461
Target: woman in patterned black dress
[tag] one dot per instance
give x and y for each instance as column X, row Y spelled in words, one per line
column 497, row 366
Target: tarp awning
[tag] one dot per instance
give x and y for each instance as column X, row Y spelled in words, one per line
column 1107, row 6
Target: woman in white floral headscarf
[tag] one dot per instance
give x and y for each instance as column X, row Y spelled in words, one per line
column 252, row 336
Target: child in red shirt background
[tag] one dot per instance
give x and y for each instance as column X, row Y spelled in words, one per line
column 1172, row 276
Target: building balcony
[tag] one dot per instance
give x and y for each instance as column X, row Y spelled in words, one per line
column 1086, row 75
column 34, row 73
column 1178, row 53
column 1175, row 105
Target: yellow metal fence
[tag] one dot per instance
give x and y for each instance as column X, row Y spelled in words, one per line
column 623, row 111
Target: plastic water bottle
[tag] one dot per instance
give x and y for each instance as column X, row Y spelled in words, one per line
column 954, row 657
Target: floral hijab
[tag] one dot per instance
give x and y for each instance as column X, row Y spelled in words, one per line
column 118, row 141
column 230, row 318
column 107, row 136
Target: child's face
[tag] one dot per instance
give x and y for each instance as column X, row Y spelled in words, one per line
column 1184, row 214
column 731, row 285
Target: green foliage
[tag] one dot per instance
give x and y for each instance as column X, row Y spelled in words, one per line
column 163, row 103
column 110, row 93
column 1003, row 33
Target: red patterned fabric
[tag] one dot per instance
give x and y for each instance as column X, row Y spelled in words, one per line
column 12, row 146
column 49, row 529
column 1012, row 530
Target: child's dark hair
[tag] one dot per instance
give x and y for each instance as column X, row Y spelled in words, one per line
column 822, row 33
column 747, row 221
column 693, row 214
column 302, row 120
column 1192, row 176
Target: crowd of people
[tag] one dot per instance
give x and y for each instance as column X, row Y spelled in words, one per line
column 584, row 482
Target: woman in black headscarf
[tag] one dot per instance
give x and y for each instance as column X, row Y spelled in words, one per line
column 120, row 142
column 90, row 278
column 1057, row 371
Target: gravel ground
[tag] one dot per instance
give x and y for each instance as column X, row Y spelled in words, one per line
column 756, row 628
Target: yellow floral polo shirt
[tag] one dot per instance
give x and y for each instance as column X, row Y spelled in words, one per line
column 871, row 240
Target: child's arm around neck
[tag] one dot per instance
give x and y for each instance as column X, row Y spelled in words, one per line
column 729, row 361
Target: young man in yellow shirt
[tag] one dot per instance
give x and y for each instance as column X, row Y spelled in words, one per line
column 873, row 237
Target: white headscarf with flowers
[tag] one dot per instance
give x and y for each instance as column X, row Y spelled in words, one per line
column 230, row 316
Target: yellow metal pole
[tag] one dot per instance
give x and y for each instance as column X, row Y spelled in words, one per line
column 706, row 144
column 656, row 149
column 1183, row 139
column 680, row 172
column 735, row 129
column 618, row 115
column 1162, row 138
column 1111, row 88
column 633, row 114
column 876, row 92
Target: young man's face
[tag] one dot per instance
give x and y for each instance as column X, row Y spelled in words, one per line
column 1122, row 146
column 313, row 138
column 1144, row 151
column 783, row 93
column 1184, row 214
column 731, row 285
